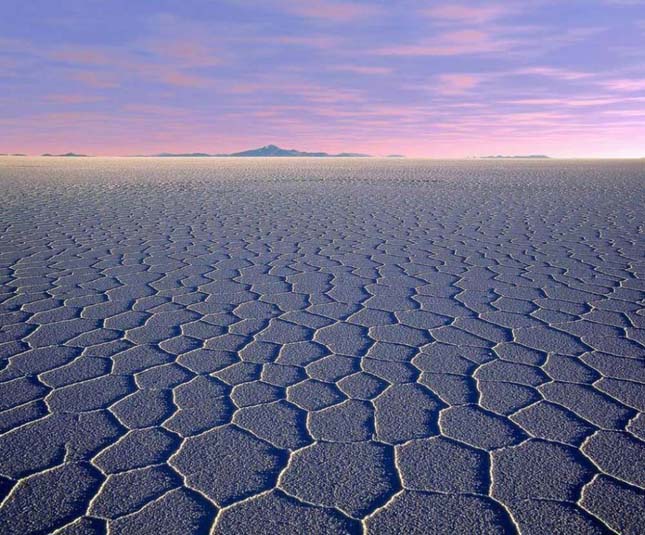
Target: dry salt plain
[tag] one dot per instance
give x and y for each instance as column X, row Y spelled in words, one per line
column 321, row 346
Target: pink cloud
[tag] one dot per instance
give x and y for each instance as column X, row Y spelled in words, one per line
column 522, row 120
column 157, row 110
column 450, row 44
column 85, row 56
column 552, row 72
column 74, row 98
column 365, row 114
column 8, row 63
column 329, row 10
column 490, row 39
column 362, row 69
column 626, row 113
column 454, row 84
column 181, row 79
column 168, row 65
column 306, row 91
column 246, row 88
column 466, row 14
column 580, row 102
column 544, row 101
column 626, row 84
column 320, row 94
column 185, row 52
column 314, row 41
column 95, row 79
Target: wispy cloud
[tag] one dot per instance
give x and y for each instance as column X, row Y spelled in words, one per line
column 62, row 98
column 625, row 84
column 157, row 110
column 457, row 84
column 97, row 80
column 178, row 78
column 454, row 43
column 185, row 53
column 362, row 69
column 293, row 89
column 466, row 14
column 575, row 102
column 626, row 113
column 554, row 72
column 314, row 41
column 168, row 63
column 329, row 10
column 83, row 56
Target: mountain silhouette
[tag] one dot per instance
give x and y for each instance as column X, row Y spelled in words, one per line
column 67, row 155
column 274, row 150
column 266, row 151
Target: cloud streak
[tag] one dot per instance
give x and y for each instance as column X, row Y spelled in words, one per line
column 330, row 10
column 453, row 43
column 466, row 14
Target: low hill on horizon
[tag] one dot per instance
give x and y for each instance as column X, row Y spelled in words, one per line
column 67, row 155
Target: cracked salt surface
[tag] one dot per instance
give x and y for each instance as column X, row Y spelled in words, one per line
column 321, row 346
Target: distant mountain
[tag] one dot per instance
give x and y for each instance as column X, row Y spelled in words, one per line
column 528, row 156
column 275, row 151
column 12, row 154
column 395, row 156
column 67, row 155
column 266, row 151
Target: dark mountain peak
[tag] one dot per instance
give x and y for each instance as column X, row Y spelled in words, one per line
column 67, row 155
column 275, row 151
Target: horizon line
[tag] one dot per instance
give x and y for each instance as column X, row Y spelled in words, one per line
column 365, row 157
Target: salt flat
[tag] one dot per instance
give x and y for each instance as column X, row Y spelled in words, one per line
column 321, row 346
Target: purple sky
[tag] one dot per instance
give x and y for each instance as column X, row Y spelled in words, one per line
column 440, row 79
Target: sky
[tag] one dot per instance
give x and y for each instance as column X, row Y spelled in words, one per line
column 443, row 79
